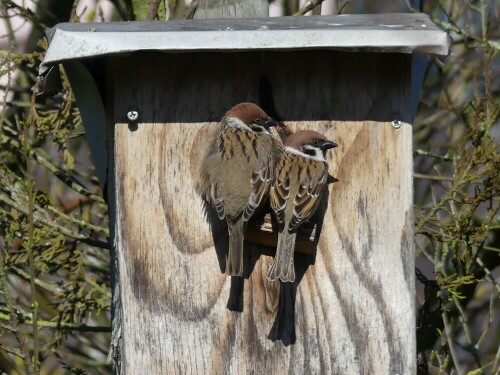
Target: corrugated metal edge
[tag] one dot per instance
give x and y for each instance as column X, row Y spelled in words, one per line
column 68, row 45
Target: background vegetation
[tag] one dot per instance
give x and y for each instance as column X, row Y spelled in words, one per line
column 54, row 260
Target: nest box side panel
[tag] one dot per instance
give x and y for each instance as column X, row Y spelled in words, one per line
column 354, row 303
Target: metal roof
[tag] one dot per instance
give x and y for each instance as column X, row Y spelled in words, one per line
column 399, row 32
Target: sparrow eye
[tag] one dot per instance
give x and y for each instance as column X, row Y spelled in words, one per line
column 258, row 120
column 315, row 142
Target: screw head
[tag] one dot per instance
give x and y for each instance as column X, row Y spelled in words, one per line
column 396, row 124
column 132, row 115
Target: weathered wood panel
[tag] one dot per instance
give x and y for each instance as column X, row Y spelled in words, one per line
column 354, row 304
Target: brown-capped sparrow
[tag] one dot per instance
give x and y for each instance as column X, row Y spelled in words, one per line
column 237, row 172
column 300, row 178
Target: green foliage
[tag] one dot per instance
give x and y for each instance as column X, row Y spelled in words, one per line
column 55, row 287
column 457, row 210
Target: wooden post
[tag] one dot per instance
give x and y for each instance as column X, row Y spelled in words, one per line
column 354, row 301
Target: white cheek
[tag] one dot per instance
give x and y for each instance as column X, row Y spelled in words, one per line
column 234, row 122
column 317, row 157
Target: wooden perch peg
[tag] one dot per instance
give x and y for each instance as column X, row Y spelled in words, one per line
column 265, row 236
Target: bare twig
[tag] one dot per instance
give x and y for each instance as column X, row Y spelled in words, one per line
column 310, row 6
column 42, row 220
column 489, row 320
column 121, row 9
column 343, row 5
column 496, row 364
column 31, row 258
column 172, row 8
column 427, row 153
column 39, row 283
column 8, row 25
column 191, row 10
column 12, row 317
column 37, row 156
column 489, row 276
column 60, row 325
column 130, row 10
column 433, row 178
column 451, row 344
column 153, row 9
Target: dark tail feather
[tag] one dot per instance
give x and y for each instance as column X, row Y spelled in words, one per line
column 283, row 267
column 234, row 262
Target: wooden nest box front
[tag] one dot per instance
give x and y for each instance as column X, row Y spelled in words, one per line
column 149, row 94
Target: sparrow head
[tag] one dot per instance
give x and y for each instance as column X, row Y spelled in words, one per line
column 251, row 116
column 309, row 143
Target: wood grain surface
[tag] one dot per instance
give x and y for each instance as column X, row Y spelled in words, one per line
column 354, row 298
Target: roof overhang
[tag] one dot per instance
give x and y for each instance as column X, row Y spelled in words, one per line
column 396, row 33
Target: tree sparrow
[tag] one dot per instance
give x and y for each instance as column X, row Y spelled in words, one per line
column 237, row 172
column 301, row 176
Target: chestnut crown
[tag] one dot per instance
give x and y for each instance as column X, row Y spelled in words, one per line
column 310, row 143
column 251, row 115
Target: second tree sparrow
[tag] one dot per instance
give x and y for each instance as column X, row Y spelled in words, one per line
column 301, row 176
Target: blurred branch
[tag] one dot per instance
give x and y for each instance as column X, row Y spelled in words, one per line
column 130, row 10
column 427, row 153
column 39, row 283
column 171, row 7
column 31, row 258
column 12, row 317
column 452, row 26
column 25, row 13
column 8, row 25
column 433, row 178
column 487, row 272
column 451, row 345
column 58, row 325
column 153, row 10
column 40, row 220
column 310, row 6
column 342, row 6
column 59, row 173
column 121, row 8
column 191, row 10
column 496, row 364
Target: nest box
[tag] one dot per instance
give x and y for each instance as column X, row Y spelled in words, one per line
column 149, row 93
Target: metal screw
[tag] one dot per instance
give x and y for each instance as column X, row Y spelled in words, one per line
column 396, row 124
column 132, row 115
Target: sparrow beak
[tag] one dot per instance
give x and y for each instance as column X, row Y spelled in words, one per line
column 327, row 144
column 270, row 122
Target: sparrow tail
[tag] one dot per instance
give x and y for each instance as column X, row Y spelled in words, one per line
column 283, row 267
column 234, row 261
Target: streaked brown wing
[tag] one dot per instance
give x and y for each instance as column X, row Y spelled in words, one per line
column 307, row 199
column 261, row 180
column 216, row 201
column 263, row 177
column 280, row 191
